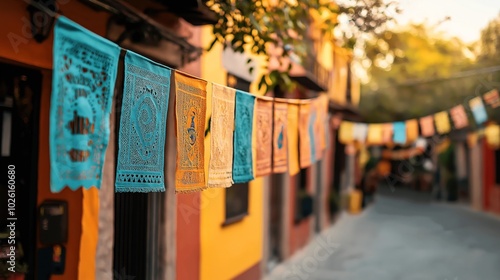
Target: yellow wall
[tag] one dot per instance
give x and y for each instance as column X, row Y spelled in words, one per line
column 226, row 251
column 336, row 59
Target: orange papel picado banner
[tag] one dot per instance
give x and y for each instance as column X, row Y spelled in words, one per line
column 264, row 135
column 190, row 109
column 411, row 130
column 491, row 98
column 293, row 138
column 427, row 126
column 459, row 117
column 304, row 135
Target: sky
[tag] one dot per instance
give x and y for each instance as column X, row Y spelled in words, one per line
column 468, row 17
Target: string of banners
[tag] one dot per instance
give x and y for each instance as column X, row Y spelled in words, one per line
column 407, row 132
column 250, row 136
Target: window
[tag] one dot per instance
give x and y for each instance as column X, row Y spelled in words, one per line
column 236, row 202
column 497, row 167
column 237, row 195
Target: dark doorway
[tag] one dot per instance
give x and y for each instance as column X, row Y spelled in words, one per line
column 20, row 90
column 338, row 169
column 138, row 223
column 275, row 219
column 138, row 220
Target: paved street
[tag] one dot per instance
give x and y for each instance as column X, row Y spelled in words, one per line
column 402, row 237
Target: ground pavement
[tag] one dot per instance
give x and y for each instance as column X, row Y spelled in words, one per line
column 402, row 237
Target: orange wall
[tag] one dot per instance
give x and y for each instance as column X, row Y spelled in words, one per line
column 17, row 47
column 491, row 194
column 188, row 236
column 188, row 205
column 74, row 198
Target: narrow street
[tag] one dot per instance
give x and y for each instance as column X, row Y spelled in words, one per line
column 403, row 236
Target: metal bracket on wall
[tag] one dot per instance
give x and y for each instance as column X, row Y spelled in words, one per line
column 41, row 14
column 140, row 27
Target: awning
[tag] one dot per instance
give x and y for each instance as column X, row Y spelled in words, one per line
column 348, row 111
column 195, row 12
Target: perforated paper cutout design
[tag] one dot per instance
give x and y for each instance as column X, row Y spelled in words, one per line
column 459, row 117
column 242, row 150
column 492, row 98
column 264, row 115
column 312, row 130
column 427, row 126
column 280, row 135
column 305, row 134
column 84, row 77
column 141, row 152
column 190, row 112
column 222, row 128
column 478, row 110
column 293, row 139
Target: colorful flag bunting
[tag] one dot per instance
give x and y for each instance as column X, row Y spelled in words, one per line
column 360, row 132
column 427, row 126
column 478, row 110
column 399, row 133
column 375, row 134
column 280, row 141
column 141, row 142
column 346, row 132
column 243, row 130
column 321, row 105
column 411, row 130
column 83, row 82
column 492, row 98
column 387, row 131
column 442, row 122
column 220, row 167
column 293, row 138
column 459, row 117
column 264, row 143
column 190, row 113
column 305, row 153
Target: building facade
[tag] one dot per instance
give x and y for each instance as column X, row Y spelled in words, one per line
column 236, row 233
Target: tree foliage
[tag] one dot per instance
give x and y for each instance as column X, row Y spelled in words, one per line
column 255, row 24
column 489, row 52
column 412, row 74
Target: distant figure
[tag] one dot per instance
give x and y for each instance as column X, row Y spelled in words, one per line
column 375, row 170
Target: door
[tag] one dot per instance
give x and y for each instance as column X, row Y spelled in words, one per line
column 20, row 90
column 275, row 220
